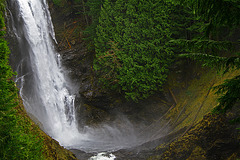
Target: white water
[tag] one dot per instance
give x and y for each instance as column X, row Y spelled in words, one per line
column 59, row 119
column 103, row 156
column 45, row 91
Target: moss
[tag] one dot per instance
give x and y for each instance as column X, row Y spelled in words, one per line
column 211, row 138
column 50, row 148
column 198, row 153
column 154, row 157
column 53, row 151
column 195, row 96
column 233, row 157
column 161, row 146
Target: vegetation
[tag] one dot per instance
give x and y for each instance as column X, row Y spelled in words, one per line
column 131, row 39
column 135, row 43
column 132, row 52
column 221, row 21
column 201, row 142
column 17, row 141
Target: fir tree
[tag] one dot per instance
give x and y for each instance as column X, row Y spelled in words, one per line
column 219, row 17
column 132, row 46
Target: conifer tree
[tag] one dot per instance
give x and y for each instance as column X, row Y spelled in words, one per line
column 219, row 17
column 94, row 8
column 132, row 49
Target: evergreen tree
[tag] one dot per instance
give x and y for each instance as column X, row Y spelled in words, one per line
column 7, row 93
column 94, row 8
column 220, row 17
column 132, row 49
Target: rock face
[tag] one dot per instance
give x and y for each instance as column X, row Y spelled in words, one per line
column 77, row 60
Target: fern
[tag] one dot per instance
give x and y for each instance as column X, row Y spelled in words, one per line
column 204, row 46
column 220, row 63
column 218, row 17
column 230, row 94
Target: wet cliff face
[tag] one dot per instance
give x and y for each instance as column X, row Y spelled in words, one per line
column 77, row 59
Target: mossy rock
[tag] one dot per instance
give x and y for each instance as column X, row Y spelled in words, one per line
column 51, row 149
column 93, row 115
column 211, row 138
column 198, row 153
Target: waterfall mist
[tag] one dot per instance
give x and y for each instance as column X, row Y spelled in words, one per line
column 46, row 93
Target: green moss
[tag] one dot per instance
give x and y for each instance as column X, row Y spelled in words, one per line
column 161, row 146
column 189, row 146
column 198, row 94
column 198, row 153
column 28, row 139
column 46, row 148
column 193, row 103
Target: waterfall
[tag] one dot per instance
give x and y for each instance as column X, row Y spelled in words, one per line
column 44, row 90
column 47, row 95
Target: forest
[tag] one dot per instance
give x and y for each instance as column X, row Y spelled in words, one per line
column 135, row 43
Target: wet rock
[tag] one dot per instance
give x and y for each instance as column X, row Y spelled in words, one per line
column 81, row 155
column 91, row 116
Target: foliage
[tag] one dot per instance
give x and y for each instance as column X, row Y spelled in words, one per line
column 24, row 143
column 204, row 46
column 219, row 17
column 16, row 142
column 220, row 63
column 231, row 94
column 131, row 38
column 61, row 3
column 132, row 51
column 94, row 9
column 64, row 3
column 215, row 13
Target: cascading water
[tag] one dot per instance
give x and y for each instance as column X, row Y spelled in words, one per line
column 45, row 91
column 49, row 99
